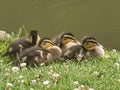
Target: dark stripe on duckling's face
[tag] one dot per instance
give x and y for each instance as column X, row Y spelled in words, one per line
column 88, row 38
column 66, row 38
column 89, row 45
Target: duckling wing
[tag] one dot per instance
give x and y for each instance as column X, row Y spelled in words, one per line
column 33, row 55
column 54, row 53
column 16, row 47
column 74, row 52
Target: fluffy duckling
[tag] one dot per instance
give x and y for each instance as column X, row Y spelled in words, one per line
column 71, row 48
column 92, row 48
column 32, row 56
column 19, row 45
column 54, row 52
column 45, row 53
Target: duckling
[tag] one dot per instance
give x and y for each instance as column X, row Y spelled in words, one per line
column 71, row 47
column 45, row 52
column 32, row 56
column 54, row 52
column 92, row 48
column 19, row 45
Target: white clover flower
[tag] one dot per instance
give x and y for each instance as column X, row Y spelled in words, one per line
column 34, row 81
column 76, row 89
column 91, row 89
column 95, row 73
column 20, row 77
column 15, row 69
column 76, row 83
column 117, row 65
column 56, row 76
column 7, row 74
column 82, row 86
column 46, row 82
column 42, row 64
column 22, row 81
column 114, row 50
column 31, row 89
column 23, row 65
column 9, row 85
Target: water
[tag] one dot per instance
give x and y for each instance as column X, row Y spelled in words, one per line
column 98, row 18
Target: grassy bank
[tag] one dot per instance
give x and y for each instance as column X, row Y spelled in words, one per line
column 95, row 74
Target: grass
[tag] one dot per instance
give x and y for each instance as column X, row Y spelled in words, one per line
column 97, row 74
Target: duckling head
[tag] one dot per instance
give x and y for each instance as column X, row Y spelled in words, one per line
column 46, row 43
column 34, row 37
column 66, row 38
column 89, row 43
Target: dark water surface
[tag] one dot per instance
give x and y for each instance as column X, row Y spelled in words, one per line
column 99, row 18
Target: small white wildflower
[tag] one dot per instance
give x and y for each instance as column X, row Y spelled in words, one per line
column 9, row 85
column 15, row 69
column 42, row 64
column 55, row 75
column 7, row 74
column 76, row 89
column 23, row 65
column 22, row 81
column 114, row 50
column 82, row 86
column 76, row 83
column 91, row 89
column 46, row 82
column 34, row 81
column 117, row 65
column 20, row 77
column 31, row 89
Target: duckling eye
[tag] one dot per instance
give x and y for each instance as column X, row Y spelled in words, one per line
column 44, row 43
column 87, row 43
column 64, row 38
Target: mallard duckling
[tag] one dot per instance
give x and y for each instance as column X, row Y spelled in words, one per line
column 54, row 52
column 19, row 45
column 92, row 47
column 45, row 53
column 71, row 47
column 32, row 56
